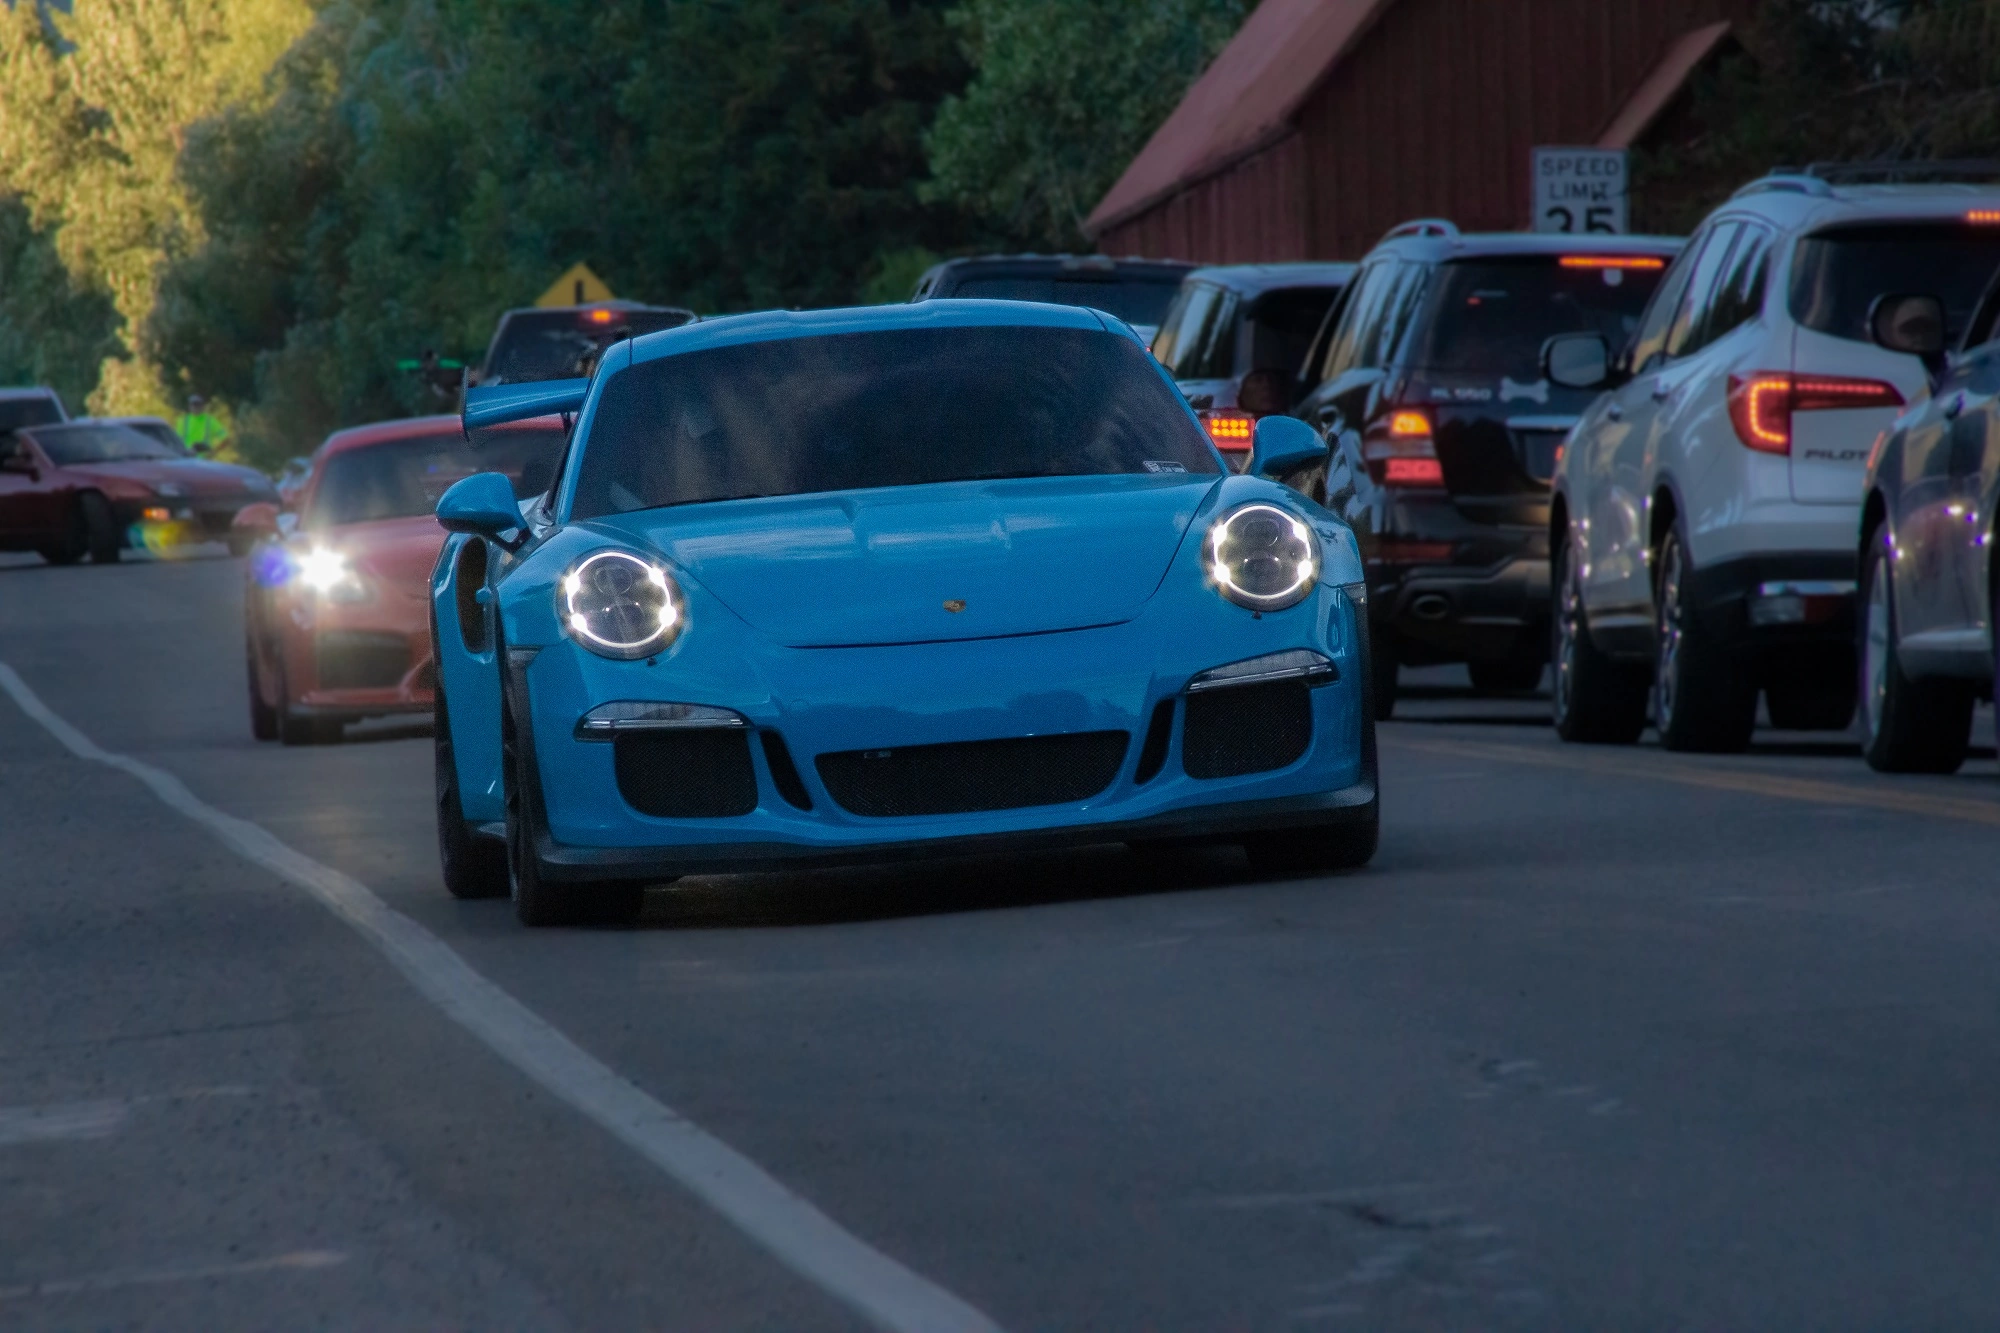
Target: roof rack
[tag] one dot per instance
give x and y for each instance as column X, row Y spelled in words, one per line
column 1422, row 227
column 1819, row 178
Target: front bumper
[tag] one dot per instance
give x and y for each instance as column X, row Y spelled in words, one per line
column 188, row 519
column 824, row 702
column 351, row 664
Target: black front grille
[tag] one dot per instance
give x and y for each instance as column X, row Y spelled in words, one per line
column 686, row 774
column 1246, row 729
column 967, row 776
column 358, row 660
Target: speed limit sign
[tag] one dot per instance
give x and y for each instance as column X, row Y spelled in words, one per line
column 1580, row 190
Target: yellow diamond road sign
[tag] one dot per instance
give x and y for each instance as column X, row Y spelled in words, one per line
column 579, row 286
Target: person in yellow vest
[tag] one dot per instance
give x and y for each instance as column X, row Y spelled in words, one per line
column 199, row 431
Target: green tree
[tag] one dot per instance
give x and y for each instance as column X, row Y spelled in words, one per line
column 52, row 330
column 94, row 107
column 1067, row 92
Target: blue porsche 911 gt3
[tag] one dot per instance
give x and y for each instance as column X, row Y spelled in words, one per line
column 850, row 585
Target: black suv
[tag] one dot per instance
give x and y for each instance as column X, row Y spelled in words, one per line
column 1443, row 432
column 1137, row 291
column 562, row 342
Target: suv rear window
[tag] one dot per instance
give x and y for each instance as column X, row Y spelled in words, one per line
column 560, row 344
column 1133, row 299
column 1490, row 317
column 1837, row 274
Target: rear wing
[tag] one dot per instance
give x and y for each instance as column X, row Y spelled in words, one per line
column 497, row 404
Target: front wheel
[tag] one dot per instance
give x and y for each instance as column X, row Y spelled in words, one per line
column 97, row 530
column 537, row 901
column 1907, row 726
column 1596, row 699
column 1700, row 701
column 474, row 867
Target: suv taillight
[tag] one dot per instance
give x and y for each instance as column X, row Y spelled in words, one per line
column 1761, row 405
column 1400, row 450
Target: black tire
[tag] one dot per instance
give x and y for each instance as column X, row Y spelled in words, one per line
column 1316, row 849
column 537, row 902
column 1520, row 672
column 98, row 531
column 474, row 867
column 1907, row 726
column 1595, row 699
column 1383, row 675
column 263, row 717
column 1701, row 702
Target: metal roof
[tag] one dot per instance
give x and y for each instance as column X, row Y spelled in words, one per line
column 1244, row 101
column 776, row 325
column 1660, row 87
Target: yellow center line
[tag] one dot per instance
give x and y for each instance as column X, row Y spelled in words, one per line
column 1661, row 769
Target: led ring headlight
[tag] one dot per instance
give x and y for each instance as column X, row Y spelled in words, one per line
column 1261, row 556
column 620, row 605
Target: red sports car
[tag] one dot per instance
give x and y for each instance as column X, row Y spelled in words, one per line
column 336, row 607
column 71, row 489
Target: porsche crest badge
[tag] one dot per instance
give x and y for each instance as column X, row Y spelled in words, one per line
column 954, row 605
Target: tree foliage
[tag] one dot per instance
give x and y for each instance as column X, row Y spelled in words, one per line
column 95, row 106
column 52, row 330
column 1067, row 92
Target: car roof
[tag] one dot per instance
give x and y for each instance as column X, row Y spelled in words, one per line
column 385, row 432
column 1256, row 279
column 27, row 391
column 1445, row 247
column 777, row 325
column 1079, row 264
column 590, row 305
column 1800, row 202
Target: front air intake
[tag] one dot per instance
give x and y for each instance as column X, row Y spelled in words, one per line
column 1246, row 729
column 968, row 776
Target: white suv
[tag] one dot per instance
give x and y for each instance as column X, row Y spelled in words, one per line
column 1702, row 535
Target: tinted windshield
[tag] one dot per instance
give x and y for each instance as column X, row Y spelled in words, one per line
column 1490, row 317
column 1136, row 300
column 562, row 344
column 902, row 408
column 18, row 412
column 1837, row 275
column 100, row 444
column 158, row 430
column 404, row 478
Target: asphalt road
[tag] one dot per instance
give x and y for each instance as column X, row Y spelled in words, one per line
column 1603, row 1039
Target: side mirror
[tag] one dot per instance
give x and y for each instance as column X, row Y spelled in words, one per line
column 482, row 504
column 1577, row 360
column 1282, row 445
column 256, row 521
column 1265, row 392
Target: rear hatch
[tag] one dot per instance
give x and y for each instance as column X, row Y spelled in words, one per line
column 1836, row 275
column 1475, row 363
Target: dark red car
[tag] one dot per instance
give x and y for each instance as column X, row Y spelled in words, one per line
column 336, row 606
column 71, row 489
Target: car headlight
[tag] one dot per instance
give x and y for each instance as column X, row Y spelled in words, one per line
column 1261, row 556
column 328, row 573
column 619, row 605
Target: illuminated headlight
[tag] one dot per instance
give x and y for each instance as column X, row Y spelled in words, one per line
column 328, row 573
column 1261, row 556
column 620, row 605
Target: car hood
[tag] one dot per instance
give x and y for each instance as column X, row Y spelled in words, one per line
column 196, row 477
column 398, row 553
column 927, row 564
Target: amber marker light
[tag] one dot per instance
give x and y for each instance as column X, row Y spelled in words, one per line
column 600, row 316
column 1409, row 425
column 1229, row 428
column 1983, row 217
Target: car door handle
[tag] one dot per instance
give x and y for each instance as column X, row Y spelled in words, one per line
column 1661, row 393
column 1615, row 412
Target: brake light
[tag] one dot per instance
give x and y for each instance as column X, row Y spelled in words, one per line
column 600, row 316
column 1983, row 217
column 1647, row 263
column 1229, row 428
column 1412, row 472
column 1761, row 405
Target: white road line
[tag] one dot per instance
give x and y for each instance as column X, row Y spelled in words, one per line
column 148, row 1277
column 795, row 1232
